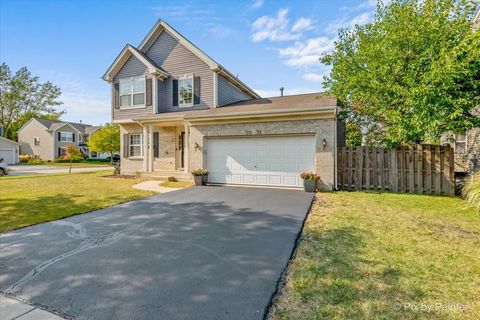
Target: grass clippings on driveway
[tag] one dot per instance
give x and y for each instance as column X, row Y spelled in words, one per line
column 384, row 256
column 28, row 200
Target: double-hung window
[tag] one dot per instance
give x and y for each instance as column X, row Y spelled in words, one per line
column 135, row 145
column 185, row 91
column 132, row 92
column 460, row 143
column 66, row 136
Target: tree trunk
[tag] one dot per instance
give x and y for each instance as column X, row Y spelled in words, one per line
column 70, row 168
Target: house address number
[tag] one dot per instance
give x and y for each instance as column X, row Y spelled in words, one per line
column 251, row 132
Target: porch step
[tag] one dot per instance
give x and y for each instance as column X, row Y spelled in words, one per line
column 164, row 175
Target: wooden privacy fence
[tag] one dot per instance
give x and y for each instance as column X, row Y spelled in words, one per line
column 421, row 169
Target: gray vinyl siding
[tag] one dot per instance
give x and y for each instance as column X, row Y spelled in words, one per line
column 177, row 60
column 228, row 93
column 132, row 68
column 160, row 95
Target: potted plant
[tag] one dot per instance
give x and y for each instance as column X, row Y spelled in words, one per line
column 309, row 181
column 200, row 176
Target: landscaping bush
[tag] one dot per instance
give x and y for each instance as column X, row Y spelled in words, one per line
column 471, row 190
column 23, row 158
column 35, row 161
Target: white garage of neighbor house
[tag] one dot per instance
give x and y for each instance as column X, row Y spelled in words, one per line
column 9, row 150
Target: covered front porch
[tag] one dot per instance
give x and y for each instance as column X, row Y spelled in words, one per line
column 165, row 150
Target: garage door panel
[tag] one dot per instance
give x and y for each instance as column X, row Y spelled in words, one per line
column 275, row 161
column 8, row 155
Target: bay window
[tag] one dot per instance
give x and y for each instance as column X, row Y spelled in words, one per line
column 132, row 92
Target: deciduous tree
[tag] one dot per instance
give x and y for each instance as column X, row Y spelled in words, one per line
column 106, row 140
column 413, row 71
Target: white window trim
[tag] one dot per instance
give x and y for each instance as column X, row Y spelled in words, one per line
column 460, row 141
column 132, row 106
column 66, row 140
column 135, row 145
column 186, row 77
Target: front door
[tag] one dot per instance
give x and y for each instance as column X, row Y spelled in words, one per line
column 180, row 150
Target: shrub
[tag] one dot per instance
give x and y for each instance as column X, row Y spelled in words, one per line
column 35, row 161
column 24, row 157
column 200, row 172
column 309, row 176
column 172, row 179
column 471, row 190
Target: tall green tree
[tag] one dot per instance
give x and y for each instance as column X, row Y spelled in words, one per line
column 23, row 97
column 106, row 140
column 413, row 72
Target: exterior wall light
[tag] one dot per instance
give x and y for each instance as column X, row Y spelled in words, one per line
column 196, row 146
column 324, row 143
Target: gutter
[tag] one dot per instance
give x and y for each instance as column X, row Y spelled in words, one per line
column 249, row 114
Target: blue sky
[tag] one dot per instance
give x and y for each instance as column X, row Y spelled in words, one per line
column 268, row 43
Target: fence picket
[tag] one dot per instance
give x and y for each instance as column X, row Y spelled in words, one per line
column 422, row 169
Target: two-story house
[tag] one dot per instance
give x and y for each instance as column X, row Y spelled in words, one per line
column 46, row 139
column 180, row 110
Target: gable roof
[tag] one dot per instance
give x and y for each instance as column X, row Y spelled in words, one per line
column 153, row 34
column 123, row 57
column 9, row 141
column 56, row 124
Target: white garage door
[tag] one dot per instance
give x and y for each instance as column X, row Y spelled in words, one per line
column 8, row 155
column 275, row 161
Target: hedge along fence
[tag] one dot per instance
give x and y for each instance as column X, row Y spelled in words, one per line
column 421, row 169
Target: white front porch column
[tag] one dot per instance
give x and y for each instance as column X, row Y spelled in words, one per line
column 186, row 147
column 150, row 148
column 145, row 148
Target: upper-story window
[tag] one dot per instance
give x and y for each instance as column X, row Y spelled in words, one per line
column 66, row 136
column 185, row 91
column 460, row 145
column 132, row 92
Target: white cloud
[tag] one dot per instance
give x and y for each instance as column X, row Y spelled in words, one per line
column 314, row 77
column 257, row 4
column 306, row 53
column 302, row 24
column 277, row 28
column 348, row 23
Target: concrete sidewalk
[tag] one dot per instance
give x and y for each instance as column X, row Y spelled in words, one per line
column 11, row 309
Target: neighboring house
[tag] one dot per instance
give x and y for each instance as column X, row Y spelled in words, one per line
column 179, row 110
column 47, row 139
column 466, row 145
column 8, row 149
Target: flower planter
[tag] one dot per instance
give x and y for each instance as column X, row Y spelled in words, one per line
column 198, row 180
column 205, row 179
column 309, row 185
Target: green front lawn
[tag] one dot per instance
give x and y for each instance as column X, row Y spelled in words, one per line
column 384, row 256
column 83, row 164
column 32, row 199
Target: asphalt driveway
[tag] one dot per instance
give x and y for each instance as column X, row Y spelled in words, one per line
column 197, row 253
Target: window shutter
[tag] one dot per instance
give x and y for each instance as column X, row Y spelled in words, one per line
column 59, row 136
column 73, row 137
column 175, row 93
column 155, row 145
column 116, row 95
column 59, row 152
column 148, row 91
column 196, row 90
column 125, row 145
